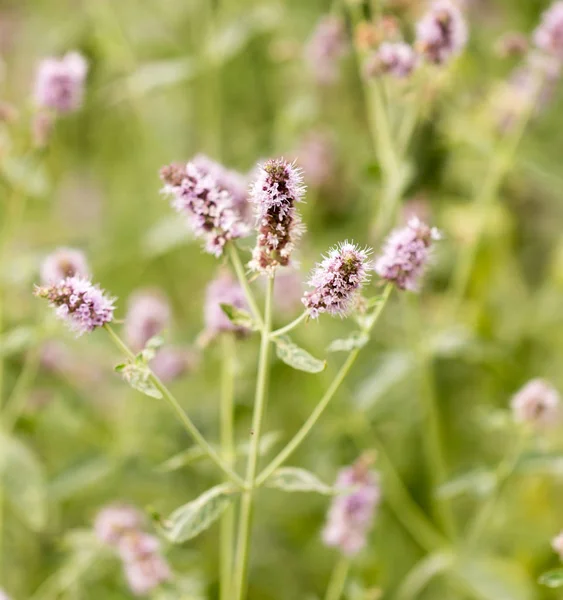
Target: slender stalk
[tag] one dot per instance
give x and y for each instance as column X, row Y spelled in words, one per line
column 241, row 276
column 228, row 453
column 418, row 578
column 431, row 437
column 290, row 326
column 338, row 579
column 298, row 438
column 245, row 518
column 186, row 421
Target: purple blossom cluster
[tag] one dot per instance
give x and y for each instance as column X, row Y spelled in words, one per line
column 548, row 36
column 394, row 58
column 78, row 302
column 406, row 254
column 352, row 511
column 326, row 46
column 148, row 315
column 337, row 280
column 222, row 290
column 442, row 32
column 63, row 263
column 537, row 403
column 277, row 189
column 145, row 568
column 59, row 83
column 211, row 209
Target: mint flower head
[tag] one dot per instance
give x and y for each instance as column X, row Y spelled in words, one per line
column 406, row 254
column 548, row 36
column 277, row 189
column 59, row 83
column 62, row 263
column 211, row 209
column 115, row 521
column 78, row 302
column 442, row 32
column 537, row 403
column 148, row 315
column 337, row 280
column 352, row 511
column 222, row 290
column 393, row 58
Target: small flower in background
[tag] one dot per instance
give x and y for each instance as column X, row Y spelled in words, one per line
column 557, row 544
column 393, row 58
column 3, row 595
column 316, row 156
column 146, row 573
column 288, row 291
column 59, row 84
column 406, row 254
column 442, row 33
column 63, row 263
column 148, row 314
column 326, row 46
column 370, row 35
column 171, row 363
column 137, row 544
column 512, row 44
column 276, row 191
column 113, row 522
column 536, row 403
column 222, row 290
column 337, row 280
column 83, row 305
column 351, row 514
column 210, row 209
column 548, row 36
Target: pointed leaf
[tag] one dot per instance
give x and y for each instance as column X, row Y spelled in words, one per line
column 190, row 520
column 296, row 357
column 552, row 579
column 151, row 348
column 137, row 375
column 478, row 482
column 238, row 317
column 293, row 479
column 357, row 339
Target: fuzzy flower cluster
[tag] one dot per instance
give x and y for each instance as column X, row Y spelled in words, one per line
column 148, row 315
column 442, row 32
column 337, row 280
column 325, row 48
column 548, row 36
column 210, row 208
column 351, row 514
column 78, row 302
column 406, row 254
column 394, row 58
column 277, row 189
column 59, row 84
column 63, row 263
column 222, row 290
column 145, row 567
column 537, row 403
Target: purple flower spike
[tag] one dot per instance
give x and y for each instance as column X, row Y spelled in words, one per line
column 337, row 280
column 536, row 403
column 406, row 254
column 64, row 262
column 397, row 59
column 83, row 305
column 276, row 191
column 548, row 36
column 59, row 83
column 210, row 208
column 351, row 515
column 442, row 33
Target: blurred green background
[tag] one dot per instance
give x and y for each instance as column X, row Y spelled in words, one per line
column 169, row 79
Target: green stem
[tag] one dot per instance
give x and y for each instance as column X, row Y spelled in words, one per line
column 228, row 453
column 241, row 276
column 298, row 438
column 338, row 579
column 186, row 421
column 290, row 326
column 245, row 518
column 422, row 573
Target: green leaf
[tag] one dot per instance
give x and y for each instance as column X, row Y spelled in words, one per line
column 17, row 340
column 238, row 317
column 552, row 579
column 478, row 482
column 150, row 349
column 23, row 481
column 137, row 375
column 293, row 479
column 356, row 340
column 296, row 357
column 191, row 519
